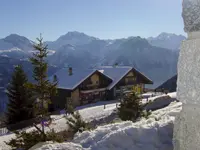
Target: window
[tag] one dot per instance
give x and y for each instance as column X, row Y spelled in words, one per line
column 130, row 79
column 88, row 81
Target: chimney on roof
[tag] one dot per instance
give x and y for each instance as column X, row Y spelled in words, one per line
column 70, row 71
column 115, row 65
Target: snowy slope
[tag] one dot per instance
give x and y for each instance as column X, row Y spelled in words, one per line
column 151, row 134
column 96, row 111
column 89, row 112
column 154, row 133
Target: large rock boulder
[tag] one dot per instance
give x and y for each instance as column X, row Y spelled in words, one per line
column 159, row 102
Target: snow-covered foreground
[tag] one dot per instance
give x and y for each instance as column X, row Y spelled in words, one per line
column 89, row 112
column 154, row 133
column 108, row 136
column 95, row 111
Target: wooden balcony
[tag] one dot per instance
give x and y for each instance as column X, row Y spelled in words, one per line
column 92, row 87
column 130, row 83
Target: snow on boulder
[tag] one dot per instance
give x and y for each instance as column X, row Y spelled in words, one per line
column 172, row 95
column 127, row 135
column 56, row 146
column 155, row 133
column 160, row 102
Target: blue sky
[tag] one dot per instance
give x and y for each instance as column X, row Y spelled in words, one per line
column 106, row 19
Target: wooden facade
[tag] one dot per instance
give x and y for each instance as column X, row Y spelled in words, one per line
column 90, row 90
column 97, row 87
column 93, row 88
column 130, row 82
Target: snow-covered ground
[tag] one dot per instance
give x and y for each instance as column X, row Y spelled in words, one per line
column 154, row 133
column 155, row 96
column 57, row 146
column 88, row 112
column 172, row 95
column 151, row 94
column 96, row 111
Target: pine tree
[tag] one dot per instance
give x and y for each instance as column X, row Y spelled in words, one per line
column 74, row 119
column 43, row 88
column 76, row 122
column 130, row 107
column 69, row 108
column 26, row 140
column 20, row 99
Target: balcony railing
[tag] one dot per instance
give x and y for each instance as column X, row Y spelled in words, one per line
column 130, row 82
column 92, row 87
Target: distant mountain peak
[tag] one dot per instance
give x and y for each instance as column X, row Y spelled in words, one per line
column 73, row 37
column 134, row 37
column 137, row 40
column 12, row 36
column 16, row 41
column 165, row 35
column 167, row 40
column 75, row 34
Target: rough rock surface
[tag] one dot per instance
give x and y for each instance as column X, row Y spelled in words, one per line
column 188, row 86
column 159, row 103
column 187, row 124
column 191, row 17
column 186, row 128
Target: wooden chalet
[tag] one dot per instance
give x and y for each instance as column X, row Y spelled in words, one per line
column 125, row 79
column 82, row 86
column 89, row 85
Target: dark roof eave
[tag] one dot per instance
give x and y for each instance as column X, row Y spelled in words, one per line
column 149, row 82
column 63, row 88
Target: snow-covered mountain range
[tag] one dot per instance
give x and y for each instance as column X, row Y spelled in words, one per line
column 156, row 57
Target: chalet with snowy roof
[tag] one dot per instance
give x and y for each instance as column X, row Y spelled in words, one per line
column 125, row 78
column 91, row 85
column 82, row 86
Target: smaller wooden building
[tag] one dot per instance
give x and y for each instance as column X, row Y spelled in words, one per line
column 125, row 79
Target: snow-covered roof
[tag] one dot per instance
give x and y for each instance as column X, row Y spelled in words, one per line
column 70, row 82
column 147, row 80
column 66, row 81
column 116, row 73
